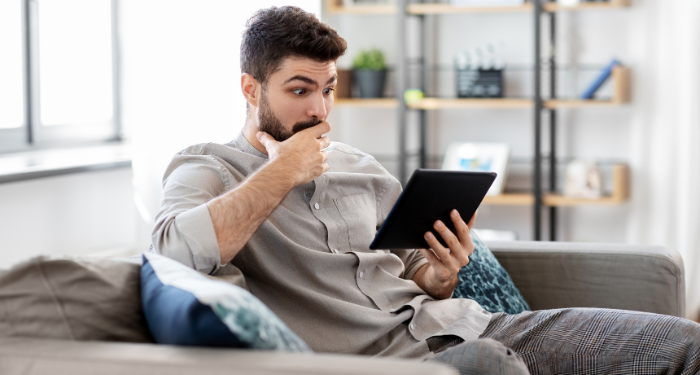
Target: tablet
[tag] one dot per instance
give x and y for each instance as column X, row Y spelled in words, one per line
column 431, row 195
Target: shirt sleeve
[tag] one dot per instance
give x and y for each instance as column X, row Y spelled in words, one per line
column 184, row 230
column 412, row 259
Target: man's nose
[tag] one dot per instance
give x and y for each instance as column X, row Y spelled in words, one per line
column 318, row 107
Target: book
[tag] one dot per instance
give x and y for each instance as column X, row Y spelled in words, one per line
column 599, row 81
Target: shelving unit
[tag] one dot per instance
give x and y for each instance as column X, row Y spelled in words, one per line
column 541, row 197
column 335, row 7
column 621, row 93
column 619, row 195
column 435, row 103
column 367, row 103
column 554, row 7
column 423, row 9
column 620, row 81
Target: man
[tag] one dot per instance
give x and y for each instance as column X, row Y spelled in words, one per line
column 296, row 214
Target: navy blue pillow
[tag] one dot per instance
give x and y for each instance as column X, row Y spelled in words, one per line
column 183, row 307
column 485, row 281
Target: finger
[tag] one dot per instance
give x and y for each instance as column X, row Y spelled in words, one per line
column 324, row 154
column 461, row 228
column 457, row 251
column 325, row 142
column 471, row 222
column 431, row 258
column 320, row 129
column 442, row 253
column 450, row 239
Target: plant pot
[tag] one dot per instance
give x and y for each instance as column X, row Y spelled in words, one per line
column 370, row 82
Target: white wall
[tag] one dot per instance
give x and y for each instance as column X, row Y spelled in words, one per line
column 587, row 38
column 83, row 213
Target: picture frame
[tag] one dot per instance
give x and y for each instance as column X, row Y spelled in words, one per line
column 479, row 157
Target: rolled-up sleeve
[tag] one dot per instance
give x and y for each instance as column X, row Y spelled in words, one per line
column 184, row 230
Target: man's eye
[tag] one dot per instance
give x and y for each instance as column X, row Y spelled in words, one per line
column 328, row 91
column 299, row 91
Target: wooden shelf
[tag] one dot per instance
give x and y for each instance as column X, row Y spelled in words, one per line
column 509, row 200
column 621, row 93
column 367, row 103
column 336, row 7
column 553, row 7
column 554, row 104
column 619, row 195
column 451, row 9
column 436, row 103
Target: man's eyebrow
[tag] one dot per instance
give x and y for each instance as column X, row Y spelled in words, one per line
column 303, row 79
column 309, row 80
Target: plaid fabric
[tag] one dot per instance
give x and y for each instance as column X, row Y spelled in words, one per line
column 482, row 357
column 599, row 341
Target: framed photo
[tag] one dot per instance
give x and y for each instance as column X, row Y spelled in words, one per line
column 479, row 157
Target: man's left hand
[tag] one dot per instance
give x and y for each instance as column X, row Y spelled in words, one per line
column 439, row 277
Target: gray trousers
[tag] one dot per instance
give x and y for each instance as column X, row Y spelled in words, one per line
column 580, row 341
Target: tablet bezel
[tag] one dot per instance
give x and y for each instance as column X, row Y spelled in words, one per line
column 431, row 194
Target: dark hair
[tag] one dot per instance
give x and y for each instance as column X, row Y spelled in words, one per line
column 273, row 34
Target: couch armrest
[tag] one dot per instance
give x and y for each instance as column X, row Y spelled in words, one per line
column 38, row 356
column 565, row 274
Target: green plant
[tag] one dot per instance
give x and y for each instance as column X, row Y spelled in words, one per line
column 372, row 59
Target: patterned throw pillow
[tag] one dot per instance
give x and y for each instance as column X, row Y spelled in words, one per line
column 184, row 307
column 485, row 281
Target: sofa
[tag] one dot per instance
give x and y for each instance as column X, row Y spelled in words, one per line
column 549, row 275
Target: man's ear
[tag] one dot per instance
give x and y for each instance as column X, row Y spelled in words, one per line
column 251, row 89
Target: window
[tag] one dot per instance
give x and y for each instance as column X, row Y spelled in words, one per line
column 58, row 75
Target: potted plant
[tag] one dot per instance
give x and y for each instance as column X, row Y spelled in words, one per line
column 369, row 72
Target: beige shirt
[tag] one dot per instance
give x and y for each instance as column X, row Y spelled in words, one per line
column 310, row 261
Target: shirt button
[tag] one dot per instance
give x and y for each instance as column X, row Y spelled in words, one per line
column 316, row 206
column 362, row 273
column 336, row 251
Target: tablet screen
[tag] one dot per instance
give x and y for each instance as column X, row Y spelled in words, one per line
column 430, row 195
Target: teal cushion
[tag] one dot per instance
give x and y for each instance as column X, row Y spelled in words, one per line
column 487, row 282
column 183, row 307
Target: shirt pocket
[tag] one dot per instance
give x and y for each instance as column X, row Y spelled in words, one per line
column 360, row 215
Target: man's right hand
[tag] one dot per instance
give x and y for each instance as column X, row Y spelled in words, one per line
column 302, row 154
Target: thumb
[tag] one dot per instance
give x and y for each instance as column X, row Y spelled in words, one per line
column 266, row 140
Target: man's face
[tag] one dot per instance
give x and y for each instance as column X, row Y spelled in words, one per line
column 297, row 96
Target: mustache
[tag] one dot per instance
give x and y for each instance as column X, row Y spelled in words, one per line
column 299, row 126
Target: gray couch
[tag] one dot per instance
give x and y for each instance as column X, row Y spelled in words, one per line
column 550, row 275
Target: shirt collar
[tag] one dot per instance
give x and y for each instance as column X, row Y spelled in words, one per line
column 242, row 144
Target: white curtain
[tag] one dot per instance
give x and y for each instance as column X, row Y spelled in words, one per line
column 665, row 207
column 181, row 83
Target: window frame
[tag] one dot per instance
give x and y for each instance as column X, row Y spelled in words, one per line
column 35, row 135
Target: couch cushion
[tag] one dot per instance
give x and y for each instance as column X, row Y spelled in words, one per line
column 207, row 312
column 487, row 282
column 73, row 299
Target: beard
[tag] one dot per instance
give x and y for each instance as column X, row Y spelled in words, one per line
column 270, row 124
